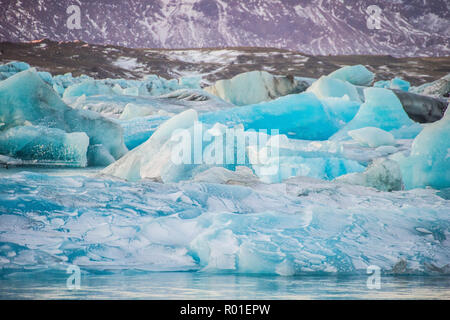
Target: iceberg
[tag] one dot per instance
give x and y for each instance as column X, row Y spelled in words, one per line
column 303, row 226
column 382, row 174
column 342, row 110
column 254, row 87
column 149, row 160
column 372, row 137
column 27, row 100
column 357, row 75
column 42, row 145
column 88, row 88
column 300, row 116
column 396, row 83
column 138, row 130
column 11, row 68
column 439, row 88
column 136, row 111
column 381, row 109
column 327, row 87
column 126, row 107
column 325, row 168
column 97, row 155
column 429, row 161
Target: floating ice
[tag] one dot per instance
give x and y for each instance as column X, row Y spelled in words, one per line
column 395, row 83
column 26, row 99
column 151, row 158
column 429, row 161
column 302, row 226
column 254, row 87
column 382, row 174
column 357, row 75
column 45, row 145
column 342, row 110
column 382, row 109
column 372, row 137
column 300, row 116
column 439, row 88
column 11, row 68
column 327, row 87
column 97, row 155
column 87, row 88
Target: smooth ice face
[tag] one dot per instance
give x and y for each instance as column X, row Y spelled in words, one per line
column 342, row 110
column 151, row 156
column 301, row 226
column 372, row 137
column 328, row 87
column 357, row 75
column 97, row 155
column 254, row 87
column 42, row 145
column 381, row 109
column 138, row 130
column 429, row 161
column 300, row 116
column 396, row 83
column 26, row 99
column 382, row 174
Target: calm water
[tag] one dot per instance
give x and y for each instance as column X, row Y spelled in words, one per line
column 192, row 285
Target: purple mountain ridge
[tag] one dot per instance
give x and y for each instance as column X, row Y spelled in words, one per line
column 318, row 27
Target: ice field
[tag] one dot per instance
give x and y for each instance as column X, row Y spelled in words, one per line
column 258, row 174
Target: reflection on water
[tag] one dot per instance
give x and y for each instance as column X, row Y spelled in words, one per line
column 192, row 285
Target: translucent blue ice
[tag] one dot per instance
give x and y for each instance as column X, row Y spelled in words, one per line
column 328, row 87
column 255, row 87
column 429, row 161
column 357, row 75
column 300, row 116
column 396, row 83
column 301, row 227
column 382, row 109
column 25, row 99
column 88, row 88
column 44, row 145
column 11, row 68
column 372, row 137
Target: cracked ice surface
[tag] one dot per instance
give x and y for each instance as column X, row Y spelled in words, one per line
column 300, row 226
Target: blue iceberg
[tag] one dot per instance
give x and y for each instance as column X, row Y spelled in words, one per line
column 381, row 109
column 357, row 75
column 429, row 161
column 328, row 87
column 255, row 87
column 300, row 116
column 303, row 226
column 27, row 100
column 42, row 145
column 396, row 83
